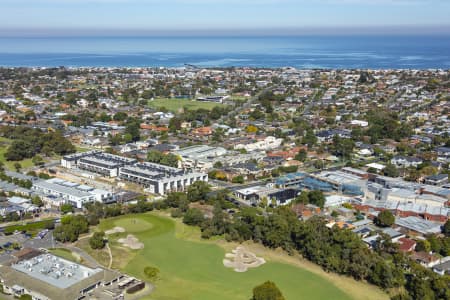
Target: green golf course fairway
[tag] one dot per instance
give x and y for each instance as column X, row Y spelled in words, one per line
column 194, row 270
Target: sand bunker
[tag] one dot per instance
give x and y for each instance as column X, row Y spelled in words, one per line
column 131, row 242
column 241, row 259
column 115, row 230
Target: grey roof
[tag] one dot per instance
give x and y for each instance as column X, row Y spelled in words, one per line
column 19, row 175
column 418, row 224
column 392, row 232
column 61, row 189
column 437, row 177
column 443, row 267
column 54, row 270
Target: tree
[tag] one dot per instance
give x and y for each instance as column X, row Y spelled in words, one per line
column 218, row 222
column 446, row 228
column 423, row 245
column 97, row 240
column 36, row 200
column 267, row 291
column 170, row 160
column 310, row 138
column 301, row 155
column 198, row 191
column 385, row 219
column 251, row 129
column 175, row 124
column 17, row 166
column 390, row 170
column 133, row 129
column 66, row 208
column 238, row 179
column 37, row 160
column 71, row 227
column 218, row 165
column 193, row 217
column 154, row 156
column 152, row 273
column 302, row 198
column 18, row 150
column 317, row 198
column 158, row 157
column 343, row 147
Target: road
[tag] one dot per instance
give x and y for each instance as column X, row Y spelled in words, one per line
column 310, row 103
column 392, row 99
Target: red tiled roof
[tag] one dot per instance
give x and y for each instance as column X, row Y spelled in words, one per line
column 406, row 245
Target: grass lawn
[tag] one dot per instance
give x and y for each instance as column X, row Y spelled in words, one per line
column 175, row 105
column 193, row 269
column 26, row 163
column 65, row 253
column 101, row 255
column 82, row 149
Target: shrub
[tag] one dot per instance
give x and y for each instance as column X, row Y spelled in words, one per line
column 97, row 240
column 151, row 273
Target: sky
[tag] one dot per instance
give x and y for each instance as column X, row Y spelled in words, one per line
column 53, row 17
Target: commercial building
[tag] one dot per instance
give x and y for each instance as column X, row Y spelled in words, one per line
column 45, row 276
column 97, row 162
column 255, row 194
column 204, row 157
column 290, row 180
column 56, row 192
column 338, row 181
column 200, row 157
column 160, row 179
column 406, row 199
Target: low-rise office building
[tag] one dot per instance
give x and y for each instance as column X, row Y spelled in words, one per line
column 56, row 191
column 204, row 157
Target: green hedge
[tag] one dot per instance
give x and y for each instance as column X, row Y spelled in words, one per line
column 30, row 227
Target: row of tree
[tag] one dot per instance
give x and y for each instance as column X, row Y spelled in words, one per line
column 27, row 142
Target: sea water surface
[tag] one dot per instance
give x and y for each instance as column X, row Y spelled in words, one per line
column 373, row 52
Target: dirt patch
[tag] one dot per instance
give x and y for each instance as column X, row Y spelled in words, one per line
column 116, row 229
column 241, row 260
column 131, row 242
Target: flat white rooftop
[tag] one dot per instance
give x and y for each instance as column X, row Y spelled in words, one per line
column 55, row 270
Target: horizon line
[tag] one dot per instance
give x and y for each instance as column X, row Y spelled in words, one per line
column 225, row 32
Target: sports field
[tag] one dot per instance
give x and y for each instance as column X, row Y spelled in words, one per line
column 175, row 105
column 193, row 269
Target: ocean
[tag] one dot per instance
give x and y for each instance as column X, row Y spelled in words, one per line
column 306, row 52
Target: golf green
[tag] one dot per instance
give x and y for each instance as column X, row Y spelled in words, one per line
column 194, row 270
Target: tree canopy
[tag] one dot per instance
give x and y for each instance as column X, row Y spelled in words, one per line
column 385, row 219
column 27, row 142
column 267, row 291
